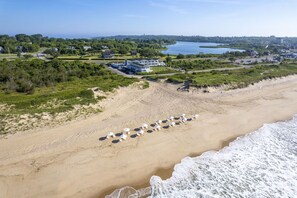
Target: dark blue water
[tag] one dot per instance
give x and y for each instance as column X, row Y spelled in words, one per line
column 195, row 48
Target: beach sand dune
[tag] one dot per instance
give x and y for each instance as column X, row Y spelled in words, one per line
column 73, row 160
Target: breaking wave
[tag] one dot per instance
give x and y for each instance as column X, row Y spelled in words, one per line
column 260, row 164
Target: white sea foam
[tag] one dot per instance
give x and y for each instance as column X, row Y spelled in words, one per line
column 261, row 164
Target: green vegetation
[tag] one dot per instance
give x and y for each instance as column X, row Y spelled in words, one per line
column 160, row 70
column 28, row 86
column 25, row 76
column 55, row 47
column 146, row 85
column 235, row 78
column 189, row 65
column 180, row 56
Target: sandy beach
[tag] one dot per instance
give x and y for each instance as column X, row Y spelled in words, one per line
column 70, row 160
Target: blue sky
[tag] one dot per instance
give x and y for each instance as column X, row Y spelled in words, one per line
column 175, row 17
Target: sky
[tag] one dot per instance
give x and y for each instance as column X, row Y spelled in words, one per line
column 88, row 18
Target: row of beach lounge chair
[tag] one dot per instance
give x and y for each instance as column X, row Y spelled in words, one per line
column 171, row 121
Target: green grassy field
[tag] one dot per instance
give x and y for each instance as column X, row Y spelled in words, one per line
column 193, row 65
column 8, row 56
column 159, row 70
column 235, row 78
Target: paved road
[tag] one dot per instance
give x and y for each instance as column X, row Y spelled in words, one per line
column 122, row 73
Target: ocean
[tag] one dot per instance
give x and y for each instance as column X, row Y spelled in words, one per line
column 262, row 164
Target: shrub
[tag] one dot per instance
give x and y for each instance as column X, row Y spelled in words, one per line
column 146, row 85
column 86, row 94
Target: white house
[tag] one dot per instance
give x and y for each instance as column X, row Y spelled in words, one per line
column 138, row 67
column 86, row 48
column 147, row 62
column 71, row 48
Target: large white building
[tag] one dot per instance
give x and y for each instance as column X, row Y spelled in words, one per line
column 146, row 62
column 138, row 65
column 143, row 65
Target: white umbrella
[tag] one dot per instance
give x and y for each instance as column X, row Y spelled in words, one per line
column 159, row 121
column 196, row 116
column 140, row 132
column 157, row 128
column 172, row 124
column 183, row 115
column 110, row 135
column 127, row 130
column 123, row 137
column 144, row 126
column 183, row 119
column 171, row 118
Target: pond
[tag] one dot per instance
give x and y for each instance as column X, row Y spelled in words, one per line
column 196, row 48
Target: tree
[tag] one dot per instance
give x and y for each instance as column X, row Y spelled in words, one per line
column 55, row 54
column 180, row 56
column 35, row 38
column 27, row 56
column 168, row 59
column 22, row 38
column 232, row 59
column 123, row 50
column 148, row 52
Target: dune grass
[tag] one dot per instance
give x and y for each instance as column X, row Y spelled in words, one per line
column 67, row 94
column 235, row 78
column 159, row 70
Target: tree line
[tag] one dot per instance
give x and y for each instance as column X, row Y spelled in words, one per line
column 59, row 46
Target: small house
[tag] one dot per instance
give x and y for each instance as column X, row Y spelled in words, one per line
column 71, row 47
column 20, row 48
column 134, row 53
column 107, row 54
column 86, row 48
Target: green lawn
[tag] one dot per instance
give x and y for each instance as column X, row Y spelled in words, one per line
column 162, row 69
column 200, row 64
column 159, row 70
column 8, row 56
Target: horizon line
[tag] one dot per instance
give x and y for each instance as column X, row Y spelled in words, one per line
column 92, row 36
